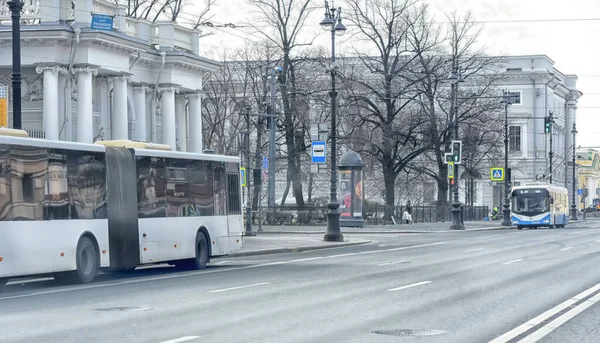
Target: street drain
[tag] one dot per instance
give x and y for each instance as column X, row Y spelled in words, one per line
column 409, row 332
column 123, row 309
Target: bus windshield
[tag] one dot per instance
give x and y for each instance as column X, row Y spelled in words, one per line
column 530, row 202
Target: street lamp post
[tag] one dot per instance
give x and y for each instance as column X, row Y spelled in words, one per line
column 248, row 231
column 574, row 185
column 456, row 222
column 333, row 23
column 506, row 207
column 15, row 12
column 551, row 133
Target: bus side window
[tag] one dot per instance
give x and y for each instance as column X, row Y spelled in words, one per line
column 219, row 188
column 151, row 187
column 201, row 187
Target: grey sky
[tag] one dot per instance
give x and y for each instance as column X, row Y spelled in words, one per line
column 573, row 45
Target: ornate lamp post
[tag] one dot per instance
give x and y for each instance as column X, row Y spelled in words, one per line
column 333, row 23
column 455, row 78
column 574, row 185
column 506, row 207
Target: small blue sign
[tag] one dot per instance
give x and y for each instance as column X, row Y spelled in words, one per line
column 580, row 191
column 318, row 152
column 265, row 164
column 102, row 22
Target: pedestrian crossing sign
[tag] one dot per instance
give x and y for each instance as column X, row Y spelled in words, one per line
column 497, row 174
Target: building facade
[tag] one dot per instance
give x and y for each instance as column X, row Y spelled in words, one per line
column 588, row 164
column 141, row 80
column 538, row 89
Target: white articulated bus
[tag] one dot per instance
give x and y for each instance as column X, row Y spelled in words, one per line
column 70, row 210
column 537, row 204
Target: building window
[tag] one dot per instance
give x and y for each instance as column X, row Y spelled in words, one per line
column 514, row 141
column 515, row 98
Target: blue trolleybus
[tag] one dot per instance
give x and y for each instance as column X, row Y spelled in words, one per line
column 540, row 205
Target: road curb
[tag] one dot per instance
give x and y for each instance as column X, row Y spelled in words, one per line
column 299, row 249
column 278, row 232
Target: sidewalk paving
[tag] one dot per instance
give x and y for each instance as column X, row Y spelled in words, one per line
column 398, row 228
column 274, row 244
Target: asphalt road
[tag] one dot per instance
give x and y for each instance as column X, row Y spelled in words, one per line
column 503, row 285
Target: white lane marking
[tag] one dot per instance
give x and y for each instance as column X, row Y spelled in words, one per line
column 471, row 250
column 390, row 263
column 544, row 316
column 239, row 287
column 567, row 248
column 222, row 262
column 181, row 339
column 409, row 286
column 556, row 323
column 513, row 261
column 490, row 236
column 223, row 270
column 598, row 241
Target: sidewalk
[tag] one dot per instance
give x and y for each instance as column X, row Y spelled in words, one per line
column 274, row 244
column 398, row 228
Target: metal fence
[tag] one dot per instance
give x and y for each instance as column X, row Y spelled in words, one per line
column 372, row 214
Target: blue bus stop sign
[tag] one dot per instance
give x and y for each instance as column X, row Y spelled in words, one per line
column 318, row 152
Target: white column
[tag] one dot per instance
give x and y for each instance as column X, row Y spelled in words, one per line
column 168, row 115
column 195, row 122
column 50, row 119
column 139, row 101
column 181, row 122
column 85, row 124
column 119, row 118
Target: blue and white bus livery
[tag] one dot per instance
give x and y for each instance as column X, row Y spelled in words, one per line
column 539, row 205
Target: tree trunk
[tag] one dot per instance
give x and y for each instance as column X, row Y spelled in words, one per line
column 389, row 179
column 442, row 185
column 287, row 188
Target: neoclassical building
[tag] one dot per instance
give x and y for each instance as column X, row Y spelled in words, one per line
column 540, row 89
column 141, row 80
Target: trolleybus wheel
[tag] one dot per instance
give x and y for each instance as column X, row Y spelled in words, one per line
column 86, row 257
column 201, row 251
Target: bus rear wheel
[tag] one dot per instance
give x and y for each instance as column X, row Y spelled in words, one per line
column 201, row 251
column 86, row 257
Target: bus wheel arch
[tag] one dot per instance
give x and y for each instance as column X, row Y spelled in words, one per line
column 87, row 260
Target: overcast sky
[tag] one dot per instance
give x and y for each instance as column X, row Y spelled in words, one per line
column 566, row 31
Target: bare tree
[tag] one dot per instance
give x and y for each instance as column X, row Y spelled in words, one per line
column 285, row 20
column 437, row 57
column 382, row 93
column 172, row 10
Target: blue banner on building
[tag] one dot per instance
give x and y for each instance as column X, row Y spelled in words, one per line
column 102, row 22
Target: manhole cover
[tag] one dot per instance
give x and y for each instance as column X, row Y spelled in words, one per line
column 409, row 332
column 123, row 309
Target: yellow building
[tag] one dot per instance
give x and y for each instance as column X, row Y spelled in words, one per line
column 588, row 163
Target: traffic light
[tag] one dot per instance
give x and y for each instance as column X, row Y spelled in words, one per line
column 548, row 123
column 456, row 152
